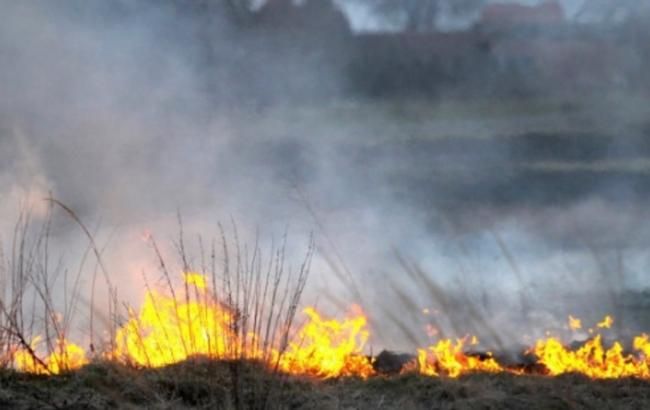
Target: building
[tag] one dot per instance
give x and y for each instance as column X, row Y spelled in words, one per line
column 511, row 15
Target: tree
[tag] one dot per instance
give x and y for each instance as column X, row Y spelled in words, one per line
column 421, row 15
column 610, row 11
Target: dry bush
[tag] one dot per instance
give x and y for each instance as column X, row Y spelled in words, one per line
column 40, row 297
column 260, row 293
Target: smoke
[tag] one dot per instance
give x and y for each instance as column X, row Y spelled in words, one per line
column 131, row 111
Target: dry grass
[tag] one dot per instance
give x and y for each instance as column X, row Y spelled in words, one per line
column 202, row 384
column 40, row 296
column 40, row 299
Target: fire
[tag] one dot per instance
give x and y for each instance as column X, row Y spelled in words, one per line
column 574, row 323
column 65, row 357
column 329, row 348
column 642, row 344
column 195, row 279
column 171, row 328
column 606, row 323
column 168, row 330
column 593, row 359
column 449, row 359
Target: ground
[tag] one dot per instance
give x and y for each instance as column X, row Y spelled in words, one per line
column 206, row 385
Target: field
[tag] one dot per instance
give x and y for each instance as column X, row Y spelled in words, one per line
column 478, row 164
column 453, row 153
column 200, row 384
column 240, row 204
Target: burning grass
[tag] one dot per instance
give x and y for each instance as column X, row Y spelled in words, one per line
column 230, row 334
column 171, row 329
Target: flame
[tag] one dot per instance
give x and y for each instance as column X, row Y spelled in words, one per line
column 168, row 330
column 449, row 359
column 195, row 279
column 329, row 348
column 642, row 344
column 574, row 323
column 606, row 323
column 593, row 359
column 65, row 357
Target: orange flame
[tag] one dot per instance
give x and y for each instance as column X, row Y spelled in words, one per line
column 642, row 344
column 593, row 359
column 65, row 357
column 574, row 323
column 449, row 359
column 606, row 323
column 168, row 330
column 329, row 348
column 195, row 279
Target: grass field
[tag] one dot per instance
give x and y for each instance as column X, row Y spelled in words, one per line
column 200, row 384
column 374, row 122
column 435, row 156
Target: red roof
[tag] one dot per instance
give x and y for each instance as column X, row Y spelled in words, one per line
column 548, row 12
